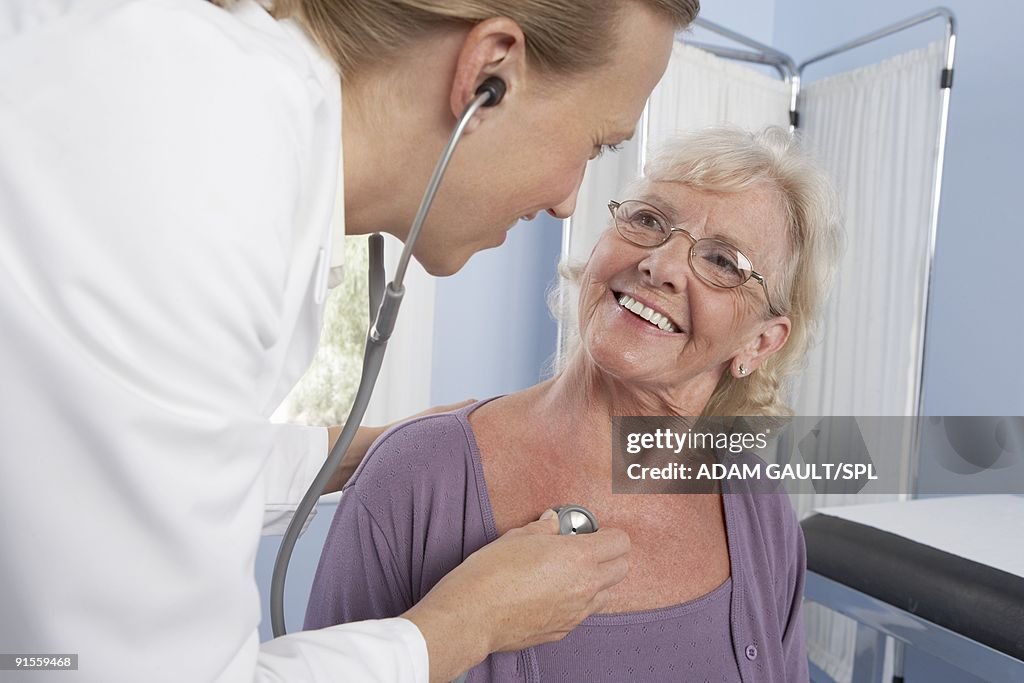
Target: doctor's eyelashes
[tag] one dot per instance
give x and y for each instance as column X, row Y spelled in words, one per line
column 601, row 149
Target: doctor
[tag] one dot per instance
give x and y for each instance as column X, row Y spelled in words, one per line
column 174, row 192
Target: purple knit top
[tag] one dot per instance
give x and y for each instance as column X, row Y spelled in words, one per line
column 418, row 506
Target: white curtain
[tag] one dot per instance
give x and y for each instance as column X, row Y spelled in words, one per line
column 876, row 131
column 700, row 89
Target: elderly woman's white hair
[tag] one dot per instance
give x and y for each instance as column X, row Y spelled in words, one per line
column 725, row 159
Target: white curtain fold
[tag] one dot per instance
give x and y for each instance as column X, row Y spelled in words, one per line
column 700, row 89
column 876, row 130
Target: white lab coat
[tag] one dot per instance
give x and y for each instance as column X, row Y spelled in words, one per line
column 168, row 175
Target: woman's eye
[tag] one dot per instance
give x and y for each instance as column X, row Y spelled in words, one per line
column 721, row 260
column 647, row 220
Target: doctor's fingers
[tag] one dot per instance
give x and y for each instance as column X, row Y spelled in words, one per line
column 595, row 585
column 599, row 603
column 586, row 550
column 601, row 546
column 610, row 573
column 449, row 408
column 604, row 545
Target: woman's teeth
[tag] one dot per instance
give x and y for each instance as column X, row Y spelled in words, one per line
column 647, row 313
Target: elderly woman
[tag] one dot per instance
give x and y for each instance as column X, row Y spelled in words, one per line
column 698, row 300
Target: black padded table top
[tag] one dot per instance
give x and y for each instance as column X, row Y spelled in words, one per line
column 973, row 599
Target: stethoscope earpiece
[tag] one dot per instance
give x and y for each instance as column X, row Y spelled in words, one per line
column 493, row 86
column 575, row 519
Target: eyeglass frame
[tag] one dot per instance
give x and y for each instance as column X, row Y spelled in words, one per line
column 613, row 207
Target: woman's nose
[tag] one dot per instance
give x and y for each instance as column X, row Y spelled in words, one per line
column 667, row 266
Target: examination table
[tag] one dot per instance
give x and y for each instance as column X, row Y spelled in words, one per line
column 945, row 576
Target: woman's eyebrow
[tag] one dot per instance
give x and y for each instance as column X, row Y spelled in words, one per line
column 744, row 248
column 661, row 204
column 675, row 218
column 739, row 244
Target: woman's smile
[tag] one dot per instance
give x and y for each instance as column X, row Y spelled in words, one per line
column 649, row 312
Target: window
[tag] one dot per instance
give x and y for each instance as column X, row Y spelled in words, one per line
column 325, row 393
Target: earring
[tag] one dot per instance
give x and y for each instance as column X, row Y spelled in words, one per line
column 743, row 370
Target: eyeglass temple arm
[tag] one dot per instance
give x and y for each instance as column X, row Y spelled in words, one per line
column 764, row 285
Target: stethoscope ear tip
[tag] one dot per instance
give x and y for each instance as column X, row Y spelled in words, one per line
column 495, row 87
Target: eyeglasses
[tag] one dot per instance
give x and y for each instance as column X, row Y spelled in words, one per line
column 715, row 262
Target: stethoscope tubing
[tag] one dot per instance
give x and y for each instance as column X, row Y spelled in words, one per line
column 384, row 302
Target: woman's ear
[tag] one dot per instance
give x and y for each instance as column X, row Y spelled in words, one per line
column 494, row 47
column 772, row 338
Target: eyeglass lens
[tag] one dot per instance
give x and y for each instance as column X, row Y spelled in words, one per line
column 712, row 259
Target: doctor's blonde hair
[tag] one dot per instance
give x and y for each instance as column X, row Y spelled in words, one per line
column 562, row 36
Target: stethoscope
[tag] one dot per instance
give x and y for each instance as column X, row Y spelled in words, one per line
column 384, row 302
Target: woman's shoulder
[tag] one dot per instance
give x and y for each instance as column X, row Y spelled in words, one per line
column 421, row 485
column 431, row 452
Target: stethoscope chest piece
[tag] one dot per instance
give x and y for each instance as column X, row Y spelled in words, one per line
column 575, row 519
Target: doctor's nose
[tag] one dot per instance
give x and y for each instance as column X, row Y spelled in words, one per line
column 565, row 208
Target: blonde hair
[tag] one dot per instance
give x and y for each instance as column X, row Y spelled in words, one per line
column 562, row 36
column 726, row 159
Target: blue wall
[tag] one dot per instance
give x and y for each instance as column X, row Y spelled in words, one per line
column 752, row 18
column 492, row 330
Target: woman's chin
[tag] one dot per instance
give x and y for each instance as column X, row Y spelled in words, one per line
column 630, row 366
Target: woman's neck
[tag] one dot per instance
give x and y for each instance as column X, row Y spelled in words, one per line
column 575, row 409
column 585, row 390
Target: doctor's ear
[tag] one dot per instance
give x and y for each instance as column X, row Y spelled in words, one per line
column 494, row 48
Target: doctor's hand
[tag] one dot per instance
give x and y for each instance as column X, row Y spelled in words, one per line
column 365, row 436
column 531, row 586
